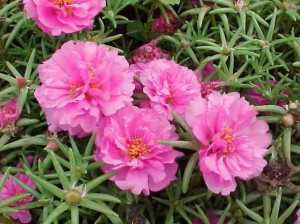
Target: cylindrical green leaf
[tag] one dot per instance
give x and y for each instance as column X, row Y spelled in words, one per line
column 189, row 171
column 95, row 182
column 59, row 170
column 102, row 197
column 276, row 207
column 181, row 144
column 74, row 215
column 249, row 212
column 56, row 212
column 47, row 185
column 100, row 207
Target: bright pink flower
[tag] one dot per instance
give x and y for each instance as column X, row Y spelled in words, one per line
column 11, row 189
column 9, row 113
column 162, row 25
column 298, row 217
column 81, row 83
column 30, row 159
column 57, row 17
column 233, row 140
column 145, row 104
column 149, row 52
column 194, row 2
column 210, row 87
column 169, row 86
column 258, row 99
column 128, row 143
column 208, row 69
column 212, row 217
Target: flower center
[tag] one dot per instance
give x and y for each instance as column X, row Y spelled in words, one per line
column 227, row 135
column 170, row 100
column 74, row 86
column 136, row 148
column 21, row 200
column 61, row 3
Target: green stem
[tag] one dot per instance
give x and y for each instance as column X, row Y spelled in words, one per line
column 192, row 145
column 271, row 108
column 270, row 119
column 286, row 145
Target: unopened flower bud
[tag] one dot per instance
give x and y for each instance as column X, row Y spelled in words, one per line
column 287, row 120
column 294, row 105
column 238, row 214
column 263, row 43
column 226, row 50
column 51, row 145
column 21, row 82
column 73, row 197
column 286, row 5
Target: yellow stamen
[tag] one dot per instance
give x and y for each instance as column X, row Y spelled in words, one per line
column 137, row 148
column 73, row 87
column 94, row 85
column 61, row 3
column 92, row 72
column 227, row 135
column 22, row 200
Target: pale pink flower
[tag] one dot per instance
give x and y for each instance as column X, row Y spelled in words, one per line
column 169, row 86
column 9, row 113
column 127, row 142
column 233, row 141
column 298, row 217
column 57, row 17
column 11, row 189
column 162, row 25
column 149, row 52
column 81, row 83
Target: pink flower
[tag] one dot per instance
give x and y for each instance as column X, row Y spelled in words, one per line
column 208, row 69
column 169, row 86
column 298, row 217
column 255, row 97
column 57, row 17
column 127, row 143
column 11, row 189
column 137, row 69
column 9, row 113
column 162, row 25
column 233, row 140
column 30, row 159
column 81, row 83
column 149, row 52
column 194, row 2
column 212, row 217
column 145, row 104
column 210, row 87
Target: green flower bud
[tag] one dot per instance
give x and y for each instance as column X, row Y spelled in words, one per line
column 73, row 197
